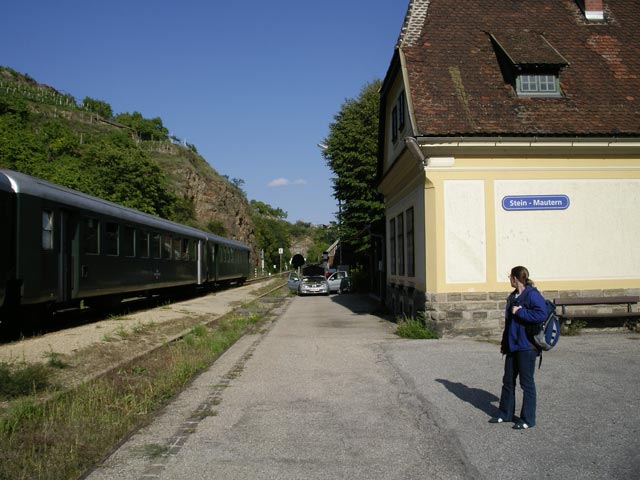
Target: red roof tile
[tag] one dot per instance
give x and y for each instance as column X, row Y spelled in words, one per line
column 458, row 87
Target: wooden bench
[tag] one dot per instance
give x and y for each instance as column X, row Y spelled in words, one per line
column 629, row 301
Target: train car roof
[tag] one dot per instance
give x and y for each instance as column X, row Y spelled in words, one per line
column 21, row 183
column 5, row 184
column 218, row 239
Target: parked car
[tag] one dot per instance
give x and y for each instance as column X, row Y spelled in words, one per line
column 314, row 285
column 293, row 282
column 339, row 282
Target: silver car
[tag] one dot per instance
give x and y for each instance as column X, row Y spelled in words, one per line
column 339, row 282
column 293, row 282
column 315, row 285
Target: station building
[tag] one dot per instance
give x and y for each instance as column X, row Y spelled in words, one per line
column 510, row 135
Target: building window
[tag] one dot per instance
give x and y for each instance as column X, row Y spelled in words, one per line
column 411, row 267
column 392, row 245
column 542, row 85
column 400, row 243
column 398, row 116
column 401, row 109
column 394, row 124
column 47, row 230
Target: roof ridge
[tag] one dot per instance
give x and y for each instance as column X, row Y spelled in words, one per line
column 413, row 22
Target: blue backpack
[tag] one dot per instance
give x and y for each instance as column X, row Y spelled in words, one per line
column 545, row 335
column 549, row 334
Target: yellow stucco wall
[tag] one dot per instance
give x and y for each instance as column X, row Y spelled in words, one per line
column 472, row 242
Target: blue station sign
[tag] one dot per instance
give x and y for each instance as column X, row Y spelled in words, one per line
column 535, row 202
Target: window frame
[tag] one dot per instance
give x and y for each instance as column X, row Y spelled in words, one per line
column 91, row 235
column 143, row 245
column 392, row 246
column 410, row 239
column 398, row 114
column 128, row 241
column 112, row 239
column 400, row 243
column 47, row 230
column 535, row 79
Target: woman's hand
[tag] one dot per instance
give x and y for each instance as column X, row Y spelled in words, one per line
column 515, row 308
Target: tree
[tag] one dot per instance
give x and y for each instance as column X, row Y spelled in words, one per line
column 98, row 106
column 147, row 129
column 271, row 231
column 351, row 153
column 266, row 210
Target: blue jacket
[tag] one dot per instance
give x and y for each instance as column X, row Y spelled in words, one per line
column 534, row 310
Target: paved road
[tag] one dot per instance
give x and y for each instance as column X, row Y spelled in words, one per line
column 327, row 391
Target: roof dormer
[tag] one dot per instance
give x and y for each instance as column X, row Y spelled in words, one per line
column 529, row 63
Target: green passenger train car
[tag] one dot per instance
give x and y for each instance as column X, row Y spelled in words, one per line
column 61, row 247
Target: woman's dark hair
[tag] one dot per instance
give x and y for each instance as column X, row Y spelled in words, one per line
column 522, row 274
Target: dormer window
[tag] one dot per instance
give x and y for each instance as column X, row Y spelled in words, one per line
column 537, row 84
column 529, row 63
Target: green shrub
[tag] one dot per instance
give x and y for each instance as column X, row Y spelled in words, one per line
column 416, row 328
column 572, row 329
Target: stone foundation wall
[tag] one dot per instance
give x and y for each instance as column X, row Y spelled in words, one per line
column 480, row 313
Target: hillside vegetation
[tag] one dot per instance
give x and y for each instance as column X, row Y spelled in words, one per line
column 133, row 161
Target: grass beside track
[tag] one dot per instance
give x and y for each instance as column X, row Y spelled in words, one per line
column 70, row 431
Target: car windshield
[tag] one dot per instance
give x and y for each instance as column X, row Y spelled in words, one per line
column 312, row 279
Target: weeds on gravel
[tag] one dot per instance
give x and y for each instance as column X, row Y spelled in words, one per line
column 65, row 434
column 572, row 329
column 17, row 381
column 415, row 328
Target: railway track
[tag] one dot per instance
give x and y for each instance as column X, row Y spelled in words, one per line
column 91, row 350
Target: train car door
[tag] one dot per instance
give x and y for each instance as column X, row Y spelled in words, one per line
column 68, row 260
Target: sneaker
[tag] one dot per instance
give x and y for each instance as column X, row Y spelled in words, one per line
column 521, row 426
column 496, row 420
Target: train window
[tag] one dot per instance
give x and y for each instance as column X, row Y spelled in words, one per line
column 192, row 250
column 47, row 230
column 128, row 242
column 185, row 248
column 91, row 236
column 166, row 247
column 177, row 248
column 143, row 244
column 112, row 232
column 155, row 245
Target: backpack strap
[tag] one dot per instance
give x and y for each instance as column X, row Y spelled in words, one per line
column 540, row 352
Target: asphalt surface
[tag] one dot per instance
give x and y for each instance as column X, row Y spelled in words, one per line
column 327, row 391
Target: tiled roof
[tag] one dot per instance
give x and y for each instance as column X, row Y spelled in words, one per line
column 457, row 85
column 527, row 48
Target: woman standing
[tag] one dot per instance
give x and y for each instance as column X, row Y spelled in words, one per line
column 525, row 306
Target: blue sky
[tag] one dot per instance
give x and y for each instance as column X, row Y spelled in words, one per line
column 252, row 84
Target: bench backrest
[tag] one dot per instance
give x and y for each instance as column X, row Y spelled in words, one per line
column 596, row 300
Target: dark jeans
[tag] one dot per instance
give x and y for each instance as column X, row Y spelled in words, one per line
column 523, row 364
